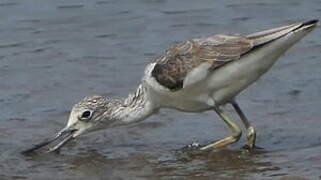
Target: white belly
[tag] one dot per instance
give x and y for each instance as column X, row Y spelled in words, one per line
column 231, row 79
column 223, row 84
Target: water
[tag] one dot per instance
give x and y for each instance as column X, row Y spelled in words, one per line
column 53, row 53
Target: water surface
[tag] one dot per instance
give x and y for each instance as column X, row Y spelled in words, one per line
column 53, row 53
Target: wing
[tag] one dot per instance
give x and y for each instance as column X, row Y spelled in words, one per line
column 172, row 68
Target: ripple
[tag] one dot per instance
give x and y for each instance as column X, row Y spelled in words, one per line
column 9, row 4
column 241, row 19
column 75, row 6
column 106, row 35
column 12, row 45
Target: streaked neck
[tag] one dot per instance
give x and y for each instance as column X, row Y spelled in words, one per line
column 136, row 107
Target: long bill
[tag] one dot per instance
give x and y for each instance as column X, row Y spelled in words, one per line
column 63, row 136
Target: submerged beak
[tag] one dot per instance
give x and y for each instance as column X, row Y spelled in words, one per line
column 64, row 136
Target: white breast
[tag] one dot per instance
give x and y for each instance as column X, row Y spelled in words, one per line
column 203, row 88
column 231, row 79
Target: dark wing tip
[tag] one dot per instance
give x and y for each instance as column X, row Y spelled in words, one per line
column 311, row 22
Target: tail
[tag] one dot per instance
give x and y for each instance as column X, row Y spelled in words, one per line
column 264, row 37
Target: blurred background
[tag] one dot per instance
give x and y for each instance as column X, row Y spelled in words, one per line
column 55, row 52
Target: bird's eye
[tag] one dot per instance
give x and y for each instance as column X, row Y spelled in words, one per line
column 85, row 116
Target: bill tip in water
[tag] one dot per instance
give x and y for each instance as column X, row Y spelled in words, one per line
column 37, row 148
column 34, row 148
column 64, row 135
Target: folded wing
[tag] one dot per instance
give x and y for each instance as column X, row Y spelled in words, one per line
column 173, row 66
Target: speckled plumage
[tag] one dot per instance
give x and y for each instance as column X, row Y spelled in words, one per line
column 193, row 76
column 94, row 101
column 111, row 107
column 172, row 67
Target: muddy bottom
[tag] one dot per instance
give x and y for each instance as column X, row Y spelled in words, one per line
column 53, row 53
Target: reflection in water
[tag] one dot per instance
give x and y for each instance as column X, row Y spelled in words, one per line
column 222, row 163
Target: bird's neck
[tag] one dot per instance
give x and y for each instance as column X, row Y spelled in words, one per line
column 136, row 107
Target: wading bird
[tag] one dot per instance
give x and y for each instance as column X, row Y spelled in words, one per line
column 193, row 76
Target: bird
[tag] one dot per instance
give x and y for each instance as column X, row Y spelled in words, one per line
column 202, row 74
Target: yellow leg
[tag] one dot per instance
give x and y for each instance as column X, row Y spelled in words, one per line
column 251, row 132
column 236, row 132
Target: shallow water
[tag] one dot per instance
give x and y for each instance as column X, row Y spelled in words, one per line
column 53, row 53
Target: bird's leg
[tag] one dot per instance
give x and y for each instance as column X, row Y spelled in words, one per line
column 236, row 132
column 251, row 132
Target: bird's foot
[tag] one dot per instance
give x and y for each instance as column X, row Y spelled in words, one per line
column 253, row 150
column 254, row 147
column 193, row 146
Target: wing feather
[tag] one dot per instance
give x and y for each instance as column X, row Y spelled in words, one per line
column 173, row 66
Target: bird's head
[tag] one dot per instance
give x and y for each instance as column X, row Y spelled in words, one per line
column 90, row 114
